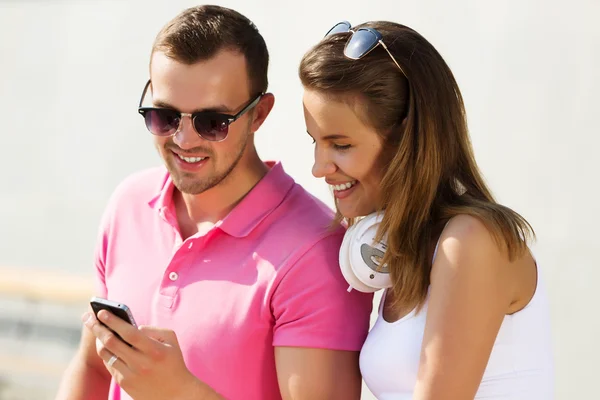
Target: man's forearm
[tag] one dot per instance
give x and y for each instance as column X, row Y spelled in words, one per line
column 82, row 382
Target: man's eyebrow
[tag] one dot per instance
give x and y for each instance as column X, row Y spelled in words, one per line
column 221, row 108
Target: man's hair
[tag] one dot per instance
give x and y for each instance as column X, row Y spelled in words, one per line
column 199, row 33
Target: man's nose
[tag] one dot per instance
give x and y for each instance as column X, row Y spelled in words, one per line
column 186, row 136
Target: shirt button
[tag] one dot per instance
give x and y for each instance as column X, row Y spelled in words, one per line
column 173, row 276
column 191, row 244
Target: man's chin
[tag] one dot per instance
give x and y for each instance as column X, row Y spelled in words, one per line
column 188, row 186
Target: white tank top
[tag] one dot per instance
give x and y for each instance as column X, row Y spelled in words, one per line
column 520, row 366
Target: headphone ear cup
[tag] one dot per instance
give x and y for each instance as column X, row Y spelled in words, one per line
column 345, row 264
column 354, row 282
column 360, row 256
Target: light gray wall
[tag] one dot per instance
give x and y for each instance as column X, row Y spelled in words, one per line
column 71, row 73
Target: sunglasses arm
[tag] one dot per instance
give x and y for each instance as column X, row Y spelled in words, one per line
column 392, row 57
column 144, row 93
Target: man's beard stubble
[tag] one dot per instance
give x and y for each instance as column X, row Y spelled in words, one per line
column 187, row 182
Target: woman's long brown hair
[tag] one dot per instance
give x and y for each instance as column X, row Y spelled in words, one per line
column 430, row 170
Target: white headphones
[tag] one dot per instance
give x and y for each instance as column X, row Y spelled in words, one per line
column 360, row 256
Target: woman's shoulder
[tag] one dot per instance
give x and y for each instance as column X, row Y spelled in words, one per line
column 467, row 245
column 466, row 231
column 469, row 255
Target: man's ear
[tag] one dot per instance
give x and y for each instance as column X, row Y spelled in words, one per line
column 262, row 110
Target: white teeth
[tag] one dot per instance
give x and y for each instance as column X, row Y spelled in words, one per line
column 191, row 159
column 343, row 186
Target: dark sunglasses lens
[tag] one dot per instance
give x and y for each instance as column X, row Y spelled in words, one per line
column 212, row 127
column 162, row 122
column 360, row 44
column 338, row 28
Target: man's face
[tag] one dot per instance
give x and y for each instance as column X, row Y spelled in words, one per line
column 219, row 84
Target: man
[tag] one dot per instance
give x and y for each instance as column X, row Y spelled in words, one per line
column 234, row 261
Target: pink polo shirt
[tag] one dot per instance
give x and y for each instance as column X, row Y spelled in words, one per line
column 266, row 275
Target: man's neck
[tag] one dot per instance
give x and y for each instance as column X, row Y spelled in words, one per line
column 199, row 213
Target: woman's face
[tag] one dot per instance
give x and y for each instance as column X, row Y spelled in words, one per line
column 347, row 153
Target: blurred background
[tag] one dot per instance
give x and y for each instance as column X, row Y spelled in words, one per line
column 71, row 72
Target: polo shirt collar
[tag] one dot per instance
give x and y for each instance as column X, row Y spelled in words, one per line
column 164, row 198
column 262, row 199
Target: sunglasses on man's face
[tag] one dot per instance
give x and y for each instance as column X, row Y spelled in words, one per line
column 361, row 42
column 209, row 125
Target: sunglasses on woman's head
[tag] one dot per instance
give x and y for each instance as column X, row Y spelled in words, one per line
column 361, row 42
column 209, row 125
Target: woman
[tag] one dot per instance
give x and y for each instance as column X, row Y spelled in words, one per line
column 466, row 315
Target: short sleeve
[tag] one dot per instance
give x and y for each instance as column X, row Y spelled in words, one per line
column 103, row 240
column 312, row 306
column 100, row 256
column 138, row 185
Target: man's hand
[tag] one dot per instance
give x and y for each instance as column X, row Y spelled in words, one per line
column 153, row 368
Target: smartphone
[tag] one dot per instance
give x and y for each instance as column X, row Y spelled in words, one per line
column 116, row 308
